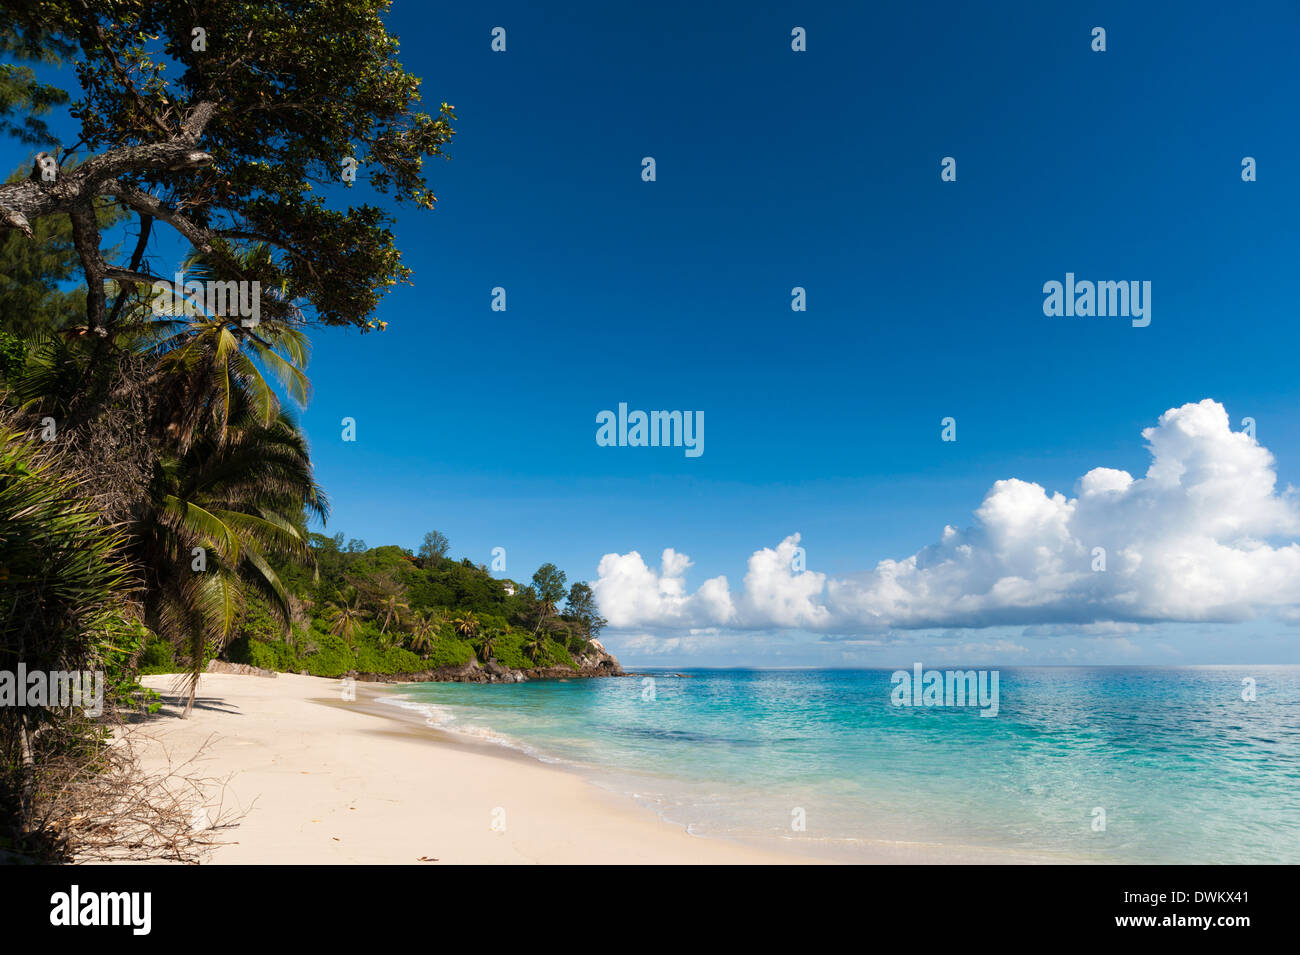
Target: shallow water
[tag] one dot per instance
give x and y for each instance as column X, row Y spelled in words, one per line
column 1184, row 768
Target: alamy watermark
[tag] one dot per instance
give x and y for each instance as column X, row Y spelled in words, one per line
column 653, row 429
column 1127, row 298
column 53, row 688
column 923, row 687
column 222, row 299
column 130, row 909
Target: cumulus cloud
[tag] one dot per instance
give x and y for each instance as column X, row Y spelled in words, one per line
column 1204, row 535
column 631, row 594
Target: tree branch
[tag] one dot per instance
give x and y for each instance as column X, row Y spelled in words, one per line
column 122, row 76
column 26, row 201
column 141, row 242
column 152, row 206
column 74, row 194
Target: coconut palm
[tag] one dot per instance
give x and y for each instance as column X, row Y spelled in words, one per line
column 467, row 625
column 424, row 633
column 218, row 512
column 204, row 358
column 487, row 644
column 535, row 647
column 546, row 609
column 227, row 481
column 392, row 608
column 345, row 618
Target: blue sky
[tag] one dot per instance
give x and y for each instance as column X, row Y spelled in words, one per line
column 820, row 169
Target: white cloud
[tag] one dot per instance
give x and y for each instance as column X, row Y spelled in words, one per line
column 632, row 595
column 1203, row 536
column 776, row 596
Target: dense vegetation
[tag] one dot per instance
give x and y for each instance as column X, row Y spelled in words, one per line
column 155, row 489
column 385, row 610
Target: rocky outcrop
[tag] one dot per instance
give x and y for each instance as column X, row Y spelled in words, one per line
column 596, row 662
column 243, row 669
column 598, row 659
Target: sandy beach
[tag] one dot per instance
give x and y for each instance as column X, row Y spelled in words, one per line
column 323, row 781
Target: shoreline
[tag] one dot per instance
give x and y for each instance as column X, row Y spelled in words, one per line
column 320, row 780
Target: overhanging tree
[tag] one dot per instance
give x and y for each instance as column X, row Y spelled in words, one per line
column 224, row 120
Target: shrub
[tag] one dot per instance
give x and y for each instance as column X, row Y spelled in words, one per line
column 449, row 651
column 332, row 657
column 372, row 660
column 157, row 657
column 62, row 606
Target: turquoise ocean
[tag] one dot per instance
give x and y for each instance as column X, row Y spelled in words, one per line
column 1184, row 769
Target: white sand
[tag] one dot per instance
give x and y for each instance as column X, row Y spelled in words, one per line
column 323, row 781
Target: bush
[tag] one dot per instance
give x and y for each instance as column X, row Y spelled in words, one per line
column 555, row 655
column 13, row 353
column 61, row 600
column 272, row 656
column 449, row 652
column 509, row 651
column 372, row 660
column 331, row 657
column 157, row 657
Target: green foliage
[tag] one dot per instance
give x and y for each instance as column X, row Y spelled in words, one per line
column 452, row 584
column 449, row 651
column 259, row 622
column 388, row 660
column 512, row 650
column 126, row 639
column 327, row 655
column 582, row 608
column 62, row 581
column 13, row 354
column 268, row 656
column 158, row 657
column 61, row 569
column 447, row 613
column 295, row 92
column 549, row 582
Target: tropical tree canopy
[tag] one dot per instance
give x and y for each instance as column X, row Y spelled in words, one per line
column 227, row 123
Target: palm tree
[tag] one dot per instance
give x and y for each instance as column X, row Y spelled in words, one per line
column 345, row 618
column 227, row 479
column 203, row 359
column 233, row 482
column 547, row 608
column 535, row 647
column 488, row 644
column 467, row 625
column 392, row 608
column 217, row 513
column 424, row 633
